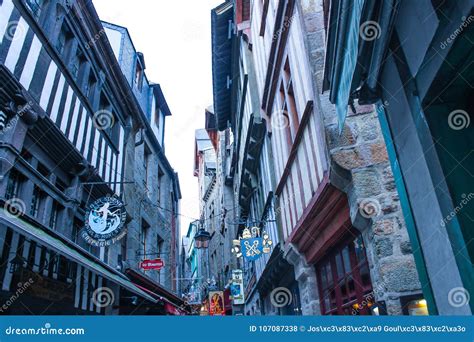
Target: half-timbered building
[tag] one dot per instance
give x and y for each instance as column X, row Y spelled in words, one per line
column 238, row 107
column 68, row 134
column 341, row 220
column 338, row 220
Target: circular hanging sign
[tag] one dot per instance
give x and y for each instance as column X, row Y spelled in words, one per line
column 104, row 221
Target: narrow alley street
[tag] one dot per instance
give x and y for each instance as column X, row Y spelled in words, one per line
column 236, row 158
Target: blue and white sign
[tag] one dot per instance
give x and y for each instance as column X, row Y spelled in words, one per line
column 252, row 248
column 251, row 245
column 237, row 287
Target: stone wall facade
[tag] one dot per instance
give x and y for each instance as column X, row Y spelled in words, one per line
column 150, row 202
column 373, row 199
column 305, row 275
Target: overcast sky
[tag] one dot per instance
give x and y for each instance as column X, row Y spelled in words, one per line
column 175, row 37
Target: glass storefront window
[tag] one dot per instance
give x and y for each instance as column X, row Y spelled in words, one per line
column 347, row 295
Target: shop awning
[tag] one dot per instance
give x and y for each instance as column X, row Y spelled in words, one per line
column 173, row 304
column 170, row 307
column 173, row 310
column 42, row 237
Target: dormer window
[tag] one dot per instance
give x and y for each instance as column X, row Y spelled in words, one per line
column 139, row 76
column 157, row 117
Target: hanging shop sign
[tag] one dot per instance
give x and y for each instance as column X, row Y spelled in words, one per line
column 193, row 297
column 104, row 222
column 155, row 264
column 237, row 287
column 216, row 303
column 252, row 244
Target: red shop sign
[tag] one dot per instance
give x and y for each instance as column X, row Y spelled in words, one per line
column 155, row 264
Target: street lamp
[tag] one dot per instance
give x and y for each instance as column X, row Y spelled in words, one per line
column 202, row 239
column 16, row 263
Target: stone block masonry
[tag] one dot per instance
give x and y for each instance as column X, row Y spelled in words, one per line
column 373, row 199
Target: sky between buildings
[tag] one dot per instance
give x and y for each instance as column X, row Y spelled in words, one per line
column 175, row 37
